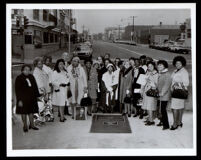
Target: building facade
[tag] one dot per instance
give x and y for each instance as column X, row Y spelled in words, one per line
column 161, row 33
column 47, row 31
column 141, row 33
column 114, row 33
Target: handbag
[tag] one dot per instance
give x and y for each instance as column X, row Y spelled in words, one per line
column 180, row 93
column 86, row 101
column 69, row 93
column 152, row 92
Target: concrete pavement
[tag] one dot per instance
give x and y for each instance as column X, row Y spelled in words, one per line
column 75, row 134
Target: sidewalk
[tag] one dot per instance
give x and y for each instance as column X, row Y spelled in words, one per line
column 76, row 134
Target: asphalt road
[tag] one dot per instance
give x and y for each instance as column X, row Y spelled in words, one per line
column 125, row 51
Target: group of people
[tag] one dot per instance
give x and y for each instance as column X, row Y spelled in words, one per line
column 112, row 86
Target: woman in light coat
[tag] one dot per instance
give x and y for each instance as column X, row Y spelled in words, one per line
column 60, row 80
column 125, row 87
column 109, row 85
column 78, row 82
column 164, row 83
column 150, row 103
column 180, row 79
column 41, row 77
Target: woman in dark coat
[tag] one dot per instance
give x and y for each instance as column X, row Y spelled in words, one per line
column 136, row 88
column 26, row 94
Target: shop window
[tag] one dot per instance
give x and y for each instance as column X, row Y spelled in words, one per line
column 28, row 39
column 36, row 14
column 56, row 37
column 51, row 38
column 45, row 37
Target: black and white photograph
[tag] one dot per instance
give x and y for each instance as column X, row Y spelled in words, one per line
column 101, row 79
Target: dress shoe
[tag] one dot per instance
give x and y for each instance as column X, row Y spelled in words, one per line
column 160, row 124
column 25, row 129
column 141, row 116
column 149, row 123
column 135, row 115
column 129, row 115
column 181, row 125
column 34, row 128
column 164, row 128
column 123, row 114
column 173, row 128
column 62, row 120
column 65, row 119
column 89, row 114
column 146, row 121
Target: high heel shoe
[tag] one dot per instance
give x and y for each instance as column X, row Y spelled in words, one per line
column 181, row 125
column 62, row 120
column 173, row 128
column 34, row 128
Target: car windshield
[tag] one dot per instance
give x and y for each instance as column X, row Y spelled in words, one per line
column 81, row 48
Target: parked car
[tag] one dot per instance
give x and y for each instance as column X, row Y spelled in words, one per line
column 179, row 47
column 83, row 51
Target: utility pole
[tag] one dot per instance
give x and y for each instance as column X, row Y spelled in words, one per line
column 69, row 32
column 119, row 32
column 133, row 27
column 83, row 31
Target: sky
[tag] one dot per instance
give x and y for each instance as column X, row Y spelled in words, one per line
column 96, row 20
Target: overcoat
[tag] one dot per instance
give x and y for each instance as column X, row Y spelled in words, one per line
column 59, row 98
column 150, row 103
column 26, row 91
column 92, row 81
column 41, row 80
column 125, row 84
column 164, row 84
column 182, row 77
column 77, row 78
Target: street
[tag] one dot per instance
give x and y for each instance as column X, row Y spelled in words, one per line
column 75, row 134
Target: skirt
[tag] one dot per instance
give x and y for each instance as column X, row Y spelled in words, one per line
column 149, row 103
column 177, row 103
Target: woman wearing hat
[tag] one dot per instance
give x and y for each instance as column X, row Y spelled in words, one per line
column 78, row 81
column 110, row 82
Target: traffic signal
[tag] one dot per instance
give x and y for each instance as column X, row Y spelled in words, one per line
column 26, row 22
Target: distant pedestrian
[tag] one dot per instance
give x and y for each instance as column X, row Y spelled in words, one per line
column 180, row 83
column 150, row 102
column 60, row 80
column 27, row 93
column 164, row 84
